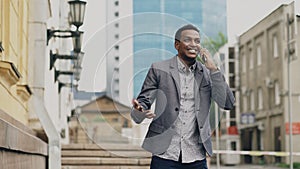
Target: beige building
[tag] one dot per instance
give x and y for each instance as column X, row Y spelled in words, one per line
column 18, row 143
column 33, row 109
column 263, row 85
column 102, row 120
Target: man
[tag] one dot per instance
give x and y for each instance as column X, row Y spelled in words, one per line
column 179, row 134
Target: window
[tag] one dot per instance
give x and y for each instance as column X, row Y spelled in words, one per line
column 275, row 46
column 116, row 14
column 115, row 119
column 231, row 67
column 116, row 3
column 117, row 36
column 232, row 81
column 244, row 64
column 245, row 105
column 252, row 103
column 258, row 53
column 260, row 98
column 251, row 62
column 277, row 93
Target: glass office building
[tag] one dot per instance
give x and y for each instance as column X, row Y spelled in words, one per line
column 155, row 23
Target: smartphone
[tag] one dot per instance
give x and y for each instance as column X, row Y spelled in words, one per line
column 202, row 58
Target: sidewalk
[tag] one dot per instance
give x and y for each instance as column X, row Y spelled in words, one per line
column 244, row 166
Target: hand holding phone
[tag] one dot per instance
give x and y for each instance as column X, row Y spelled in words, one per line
column 205, row 58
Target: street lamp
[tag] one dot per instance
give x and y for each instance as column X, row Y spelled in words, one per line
column 78, row 61
column 76, row 16
column 77, row 42
column 77, row 73
column 77, row 57
column 77, row 10
column 61, row 84
column 62, row 72
column 54, row 56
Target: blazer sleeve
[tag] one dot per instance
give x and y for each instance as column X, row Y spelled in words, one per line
column 221, row 93
column 147, row 94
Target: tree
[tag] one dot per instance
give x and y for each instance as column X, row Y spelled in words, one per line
column 213, row 45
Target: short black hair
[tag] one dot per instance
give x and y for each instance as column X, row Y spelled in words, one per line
column 185, row 27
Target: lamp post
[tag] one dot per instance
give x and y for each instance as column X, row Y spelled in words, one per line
column 77, row 42
column 61, row 84
column 76, row 16
column 54, row 56
column 77, row 10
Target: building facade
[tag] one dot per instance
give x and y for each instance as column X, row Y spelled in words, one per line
column 102, row 120
column 18, row 142
column 118, row 53
column 263, row 85
column 33, row 111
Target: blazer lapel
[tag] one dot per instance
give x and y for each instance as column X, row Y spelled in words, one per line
column 198, row 76
column 175, row 75
column 197, row 84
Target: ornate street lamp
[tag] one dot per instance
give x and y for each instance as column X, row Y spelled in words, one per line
column 61, row 84
column 77, row 57
column 77, row 42
column 54, row 56
column 77, row 10
column 76, row 16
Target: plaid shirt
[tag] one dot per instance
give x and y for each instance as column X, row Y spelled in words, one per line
column 187, row 133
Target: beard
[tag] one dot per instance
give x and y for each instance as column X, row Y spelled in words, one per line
column 187, row 58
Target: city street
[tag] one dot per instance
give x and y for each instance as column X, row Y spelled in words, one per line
column 247, row 167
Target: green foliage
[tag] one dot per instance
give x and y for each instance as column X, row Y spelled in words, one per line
column 213, row 45
column 283, row 165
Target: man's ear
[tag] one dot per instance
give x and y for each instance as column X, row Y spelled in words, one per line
column 176, row 45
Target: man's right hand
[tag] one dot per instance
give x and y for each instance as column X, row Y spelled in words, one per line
column 136, row 105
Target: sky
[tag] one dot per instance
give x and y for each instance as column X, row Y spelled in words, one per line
column 241, row 15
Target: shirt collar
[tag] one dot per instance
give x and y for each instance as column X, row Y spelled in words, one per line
column 182, row 67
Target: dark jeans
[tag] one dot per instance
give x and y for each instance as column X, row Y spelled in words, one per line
column 160, row 163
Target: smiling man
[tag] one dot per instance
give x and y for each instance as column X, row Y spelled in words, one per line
column 179, row 134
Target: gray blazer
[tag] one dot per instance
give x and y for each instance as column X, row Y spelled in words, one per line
column 162, row 84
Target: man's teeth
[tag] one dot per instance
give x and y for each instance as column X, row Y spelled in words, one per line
column 192, row 51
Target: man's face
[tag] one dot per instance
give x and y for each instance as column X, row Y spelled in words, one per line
column 189, row 45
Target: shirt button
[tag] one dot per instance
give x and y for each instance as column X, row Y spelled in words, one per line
column 176, row 109
column 183, row 123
